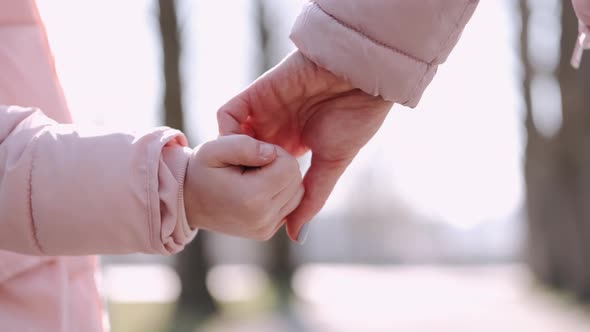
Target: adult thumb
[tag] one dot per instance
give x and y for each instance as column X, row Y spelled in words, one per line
column 238, row 150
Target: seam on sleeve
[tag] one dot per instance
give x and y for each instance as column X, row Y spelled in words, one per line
column 452, row 32
column 366, row 36
column 34, row 234
column 181, row 206
column 13, row 24
column 418, row 84
column 444, row 43
column 149, row 198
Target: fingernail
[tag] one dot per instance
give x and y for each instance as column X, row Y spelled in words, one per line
column 266, row 150
column 303, row 233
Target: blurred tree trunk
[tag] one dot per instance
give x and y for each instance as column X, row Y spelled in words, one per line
column 169, row 31
column 557, row 171
column 195, row 302
column 538, row 167
column 575, row 155
column 264, row 33
column 280, row 265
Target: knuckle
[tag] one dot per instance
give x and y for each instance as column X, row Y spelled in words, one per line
column 224, row 115
column 221, row 113
column 260, row 224
column 263, row 225
column 256, row 209
column 245, row 142
column 206, row 148
column 265, row 234
column 253, row 204
column 204, row 151
column 290, row 171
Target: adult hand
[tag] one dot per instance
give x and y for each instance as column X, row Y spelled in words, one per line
column 300, row 107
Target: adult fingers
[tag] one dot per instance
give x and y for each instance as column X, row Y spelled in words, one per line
column 319, row 183
column 232, row 116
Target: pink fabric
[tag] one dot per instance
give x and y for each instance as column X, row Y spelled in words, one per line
column 582, row 8
column 71, row 191
column 77, row 191
column 390, row 48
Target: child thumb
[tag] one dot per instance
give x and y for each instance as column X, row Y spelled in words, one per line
column 238, row 150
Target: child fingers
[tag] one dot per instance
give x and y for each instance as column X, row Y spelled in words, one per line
column 293, row 202
column 237, row 150
column 288, row 199
column 287, row 192
column 275, row 177
column 277, row 208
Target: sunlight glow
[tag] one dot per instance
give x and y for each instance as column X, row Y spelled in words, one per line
column 341, row 295
column 546, row 100
column 236, row 283
column 151, row 283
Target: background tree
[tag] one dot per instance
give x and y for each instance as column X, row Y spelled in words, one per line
column 281, row 266
column 557, row 169
column 195, row 302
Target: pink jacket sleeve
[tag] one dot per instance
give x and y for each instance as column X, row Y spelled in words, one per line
column 390, row 48
column 66, row 190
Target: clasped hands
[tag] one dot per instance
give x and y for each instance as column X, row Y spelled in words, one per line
column 247, row 183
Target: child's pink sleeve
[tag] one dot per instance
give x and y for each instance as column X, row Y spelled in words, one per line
column 66, row 190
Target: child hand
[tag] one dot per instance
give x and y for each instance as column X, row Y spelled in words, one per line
column 240, row 186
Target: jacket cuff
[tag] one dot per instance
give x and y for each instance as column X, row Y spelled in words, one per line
column 176, row 231
column 369, row 65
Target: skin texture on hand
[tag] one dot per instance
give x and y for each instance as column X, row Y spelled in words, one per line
column 242, row 187
column 301, row 107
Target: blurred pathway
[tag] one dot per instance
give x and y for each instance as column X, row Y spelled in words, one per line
column 430, row 298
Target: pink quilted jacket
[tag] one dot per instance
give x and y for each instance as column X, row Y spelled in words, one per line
column 68, row 191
